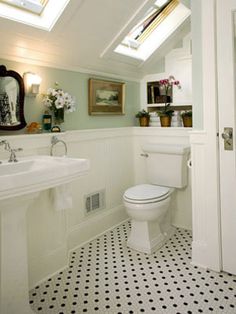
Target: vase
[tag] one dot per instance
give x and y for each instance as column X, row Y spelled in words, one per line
column 58, row 116
column 144, row 121
column 165, row 121
column 187, row 121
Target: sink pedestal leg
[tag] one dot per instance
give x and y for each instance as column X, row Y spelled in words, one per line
column 14, row 288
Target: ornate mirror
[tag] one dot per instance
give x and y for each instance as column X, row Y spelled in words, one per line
column 11, row 100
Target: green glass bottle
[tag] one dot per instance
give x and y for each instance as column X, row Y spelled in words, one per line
column 47, row 121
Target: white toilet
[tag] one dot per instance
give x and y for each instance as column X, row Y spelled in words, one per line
column 148, row 205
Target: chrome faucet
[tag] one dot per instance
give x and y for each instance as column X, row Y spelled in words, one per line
column 12, row 151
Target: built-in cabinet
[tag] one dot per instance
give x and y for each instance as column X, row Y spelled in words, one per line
column 154, row 98
column 156, row 94
column 177, row 63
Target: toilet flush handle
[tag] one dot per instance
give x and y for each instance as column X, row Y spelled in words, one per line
column 144, row 155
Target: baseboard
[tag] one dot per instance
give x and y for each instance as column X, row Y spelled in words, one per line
column 182, row 226
column 41, row 269
column 95, row 226
column 198, row 265
column 85, row 232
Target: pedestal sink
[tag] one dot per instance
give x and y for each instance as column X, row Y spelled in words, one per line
column 20, row 184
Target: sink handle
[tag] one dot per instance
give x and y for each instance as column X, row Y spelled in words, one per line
column 13, row 151
column 6, row 144
column 17, row 149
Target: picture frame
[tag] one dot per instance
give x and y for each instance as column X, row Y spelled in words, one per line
column 106, row 97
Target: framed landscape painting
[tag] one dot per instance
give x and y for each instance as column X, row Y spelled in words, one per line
column 106, row 97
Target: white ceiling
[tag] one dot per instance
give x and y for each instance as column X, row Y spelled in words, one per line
column 80, row 37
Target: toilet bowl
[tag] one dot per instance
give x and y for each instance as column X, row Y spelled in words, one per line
column 148, row 207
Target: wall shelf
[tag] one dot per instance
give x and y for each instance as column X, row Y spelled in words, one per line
column 175, row 107
column 172, row 105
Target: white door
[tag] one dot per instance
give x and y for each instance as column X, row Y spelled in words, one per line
column 226, row 39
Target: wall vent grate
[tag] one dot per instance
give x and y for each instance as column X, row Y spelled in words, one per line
column 94, row 201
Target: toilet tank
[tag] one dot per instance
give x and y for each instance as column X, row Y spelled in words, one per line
column 167, row 164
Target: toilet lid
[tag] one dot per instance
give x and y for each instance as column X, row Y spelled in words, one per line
column 146, row 192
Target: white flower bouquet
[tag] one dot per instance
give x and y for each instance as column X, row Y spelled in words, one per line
column 56, row 98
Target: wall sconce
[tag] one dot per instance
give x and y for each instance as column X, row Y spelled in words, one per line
column 32, row 82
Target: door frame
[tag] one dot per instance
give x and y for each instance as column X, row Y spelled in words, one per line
column 206, row 245
column 227, row 160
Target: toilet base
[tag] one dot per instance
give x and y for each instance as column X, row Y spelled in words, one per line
column 147, row 236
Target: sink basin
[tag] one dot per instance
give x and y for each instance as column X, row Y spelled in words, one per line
column 20, row 185
column 16, row 167
column 36, row 173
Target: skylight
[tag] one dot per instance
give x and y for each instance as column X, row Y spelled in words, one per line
column 138, row 33
column 161, row 20
column 34, row 6
column 42, row 14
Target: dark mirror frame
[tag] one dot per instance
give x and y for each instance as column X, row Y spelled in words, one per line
column 19, row 79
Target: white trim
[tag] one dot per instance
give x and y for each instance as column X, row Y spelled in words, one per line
column 204, row 151
column 44, row 139
column 198, row 136
column 226, row 11
column 162, row 132
column 73, row 68
column 210, row 114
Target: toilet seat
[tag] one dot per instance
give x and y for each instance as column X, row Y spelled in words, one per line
column 146, row 193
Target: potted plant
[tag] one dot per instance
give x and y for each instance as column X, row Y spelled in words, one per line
column 144, row 117
column 187, row 118
column 165, row 115
column 166, row 112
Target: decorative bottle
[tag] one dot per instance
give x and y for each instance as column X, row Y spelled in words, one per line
column 47, row 121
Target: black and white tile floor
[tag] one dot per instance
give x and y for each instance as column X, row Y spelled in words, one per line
column 104, row 276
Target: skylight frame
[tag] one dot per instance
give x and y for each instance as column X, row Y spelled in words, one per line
column 158, row 20
column 154, row 12
column 32, row 6
column 143, row 50
column 45, row 21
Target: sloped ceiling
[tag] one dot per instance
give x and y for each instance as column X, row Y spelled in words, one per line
column 79, row 38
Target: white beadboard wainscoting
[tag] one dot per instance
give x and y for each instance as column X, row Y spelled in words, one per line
column 115, row 165
column 206, row 245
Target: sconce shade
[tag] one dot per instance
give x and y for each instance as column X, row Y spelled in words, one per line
column 32, row 83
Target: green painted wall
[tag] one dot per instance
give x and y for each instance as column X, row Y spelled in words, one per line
column 76, row 84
